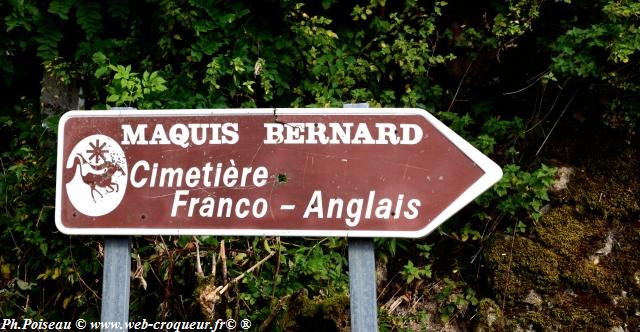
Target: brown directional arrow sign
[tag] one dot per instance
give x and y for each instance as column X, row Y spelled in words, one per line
column 292, row 172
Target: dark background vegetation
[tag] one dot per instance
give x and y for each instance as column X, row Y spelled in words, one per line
column 548, row 89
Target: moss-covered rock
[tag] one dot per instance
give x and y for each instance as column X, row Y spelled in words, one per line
column 490, row 316
column 519, row 264
column 560, row 230
column 581, row 260
column 316, row 314
column 606, row 185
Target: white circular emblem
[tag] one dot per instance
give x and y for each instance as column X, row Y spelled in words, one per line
column 100, row 178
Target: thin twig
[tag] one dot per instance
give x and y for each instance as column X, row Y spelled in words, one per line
column 75, row 269
column 214, row 263
column 387, row 285
column 277, row 273
column 416, row 303
column 274, row 313
column 553, row 106
column 536, row 78
column 459, row 86
column 450, row 320
column 508, row 277
column 315, row 245
column 223, row 259
column 139, row 272
column 6, row 188
column 557, row 120
column 199, row 272
column 221, row 289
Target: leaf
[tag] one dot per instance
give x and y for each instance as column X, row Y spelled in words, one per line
column 239, row 258
column 427, row 271
column 61, row 8
column 5, row 271
column 56, row 273
column 183, row 241
column 99, row 58
column 66, row 302
column 52, row 122
column 119, row 10
column 23, row 285
column 89, row 18
column 101, row 71
column 113, row 98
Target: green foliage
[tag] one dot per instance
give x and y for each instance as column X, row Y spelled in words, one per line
column 89, row 18
column 467, row 233
column 411, row 272
column 127, row 87
column 455, row 299
column 606, row 52
column 388, row 247
column 60, row 8
column 317, row 266
column 521, row 193
column 580, row 50
column 48, row 39
column 489, row 130
column 34, row 256
column 515, row 21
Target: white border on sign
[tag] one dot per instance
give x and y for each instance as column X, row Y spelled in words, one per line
column 492, row 171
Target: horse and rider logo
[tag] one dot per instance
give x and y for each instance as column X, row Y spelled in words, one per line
column 100, row 177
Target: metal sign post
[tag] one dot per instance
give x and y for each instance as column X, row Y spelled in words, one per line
column 362, row 278
column 116, row 279
column 362, row 285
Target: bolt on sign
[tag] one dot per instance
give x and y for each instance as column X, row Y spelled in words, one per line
column 291, row 172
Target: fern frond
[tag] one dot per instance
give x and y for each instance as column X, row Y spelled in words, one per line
column 48, row 39
column 61, row 8
column 89, row 18
column 118, row 9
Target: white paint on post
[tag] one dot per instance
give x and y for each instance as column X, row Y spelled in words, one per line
column 362, row 278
